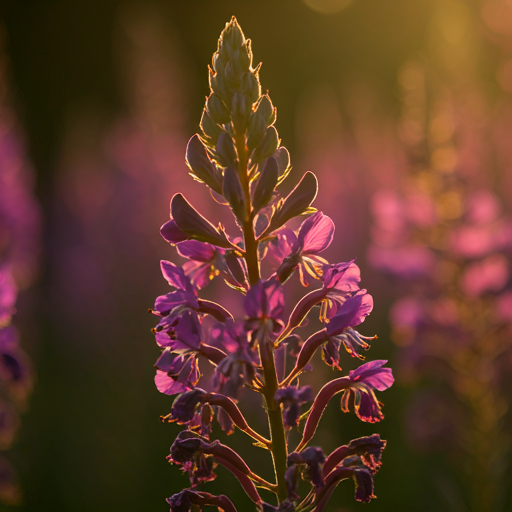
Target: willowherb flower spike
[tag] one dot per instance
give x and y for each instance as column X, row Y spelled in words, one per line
column 238, row 156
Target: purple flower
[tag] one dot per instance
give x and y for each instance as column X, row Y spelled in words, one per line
column 208, row 261
column 365, row 379
column 239, row 367
column 363, row 480
column 339, row 282
column 340, row 328
column 176, row 373
column 170, row 306
column 264, row 305
column 313, row 458
column 315, row 235
column 193, row 408
column 360, row 385
column 337, row 331
column 187, row 500
column 203, row 264
column 368, row 449
column 192, row 452
column 292, row 398
column 8, row 295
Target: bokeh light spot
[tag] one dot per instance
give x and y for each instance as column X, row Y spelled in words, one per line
column 327, row 6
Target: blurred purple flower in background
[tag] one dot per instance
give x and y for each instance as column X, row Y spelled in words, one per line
column 445, row 236
column 20, row 241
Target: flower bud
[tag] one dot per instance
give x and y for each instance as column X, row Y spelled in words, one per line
column 283, row 163
column 231, row 38
column 266, row 110
column 211, row 130
column 233, row 192
column 256, row 131
column 203, row 169
column 225, row 152
column 191, row 222
column 241, row 108
column 233, row 76
column 296, row 203
column 235, row 267
column 266, row 147
column 218, row 83
column 251, row 87
column 266, row 185
column 217, row 110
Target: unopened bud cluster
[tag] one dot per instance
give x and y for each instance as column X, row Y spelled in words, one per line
column 238, row 156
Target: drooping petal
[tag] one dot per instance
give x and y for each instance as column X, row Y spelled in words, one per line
column 167, row 385
column 372, row 374
column 265, row 300
column 175, row 276
column 344, row 276
column 197, row 251
column 314, row 458
column 351, row 313
column 292, row 398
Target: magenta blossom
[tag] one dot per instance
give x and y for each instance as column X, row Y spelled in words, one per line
column 292, row 398
column 188, row 499
column 239, row 368
column 264, row 305
column 359, row 385
column 206, row 261
column 339, row 281
column 315, row 235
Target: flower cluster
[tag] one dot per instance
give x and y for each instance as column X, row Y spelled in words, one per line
column 19, row 250
column 239, row 157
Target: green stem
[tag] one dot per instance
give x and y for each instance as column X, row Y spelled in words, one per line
column 275, row 417
column 278, row 446
column 251, row 245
